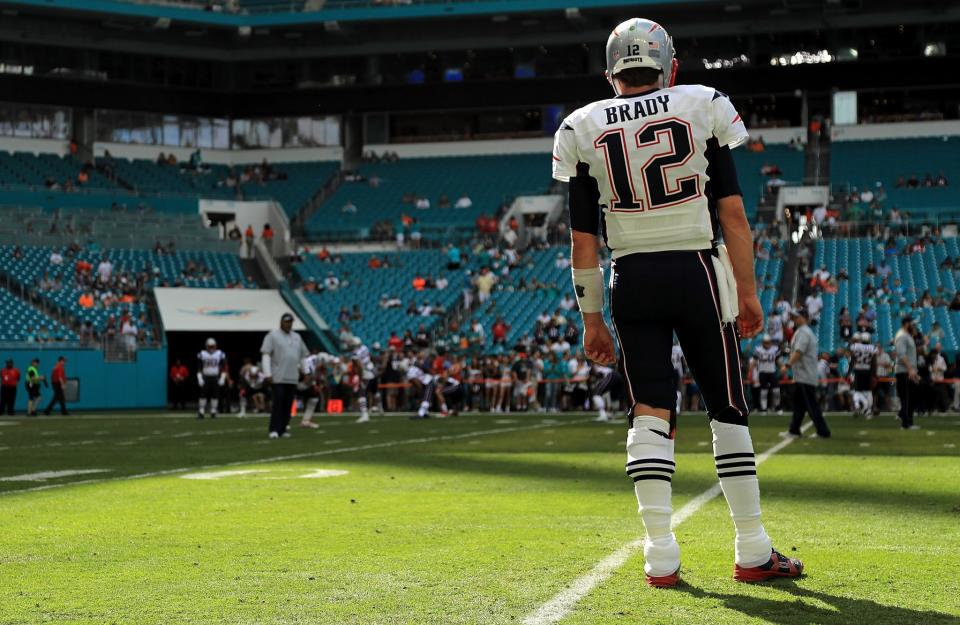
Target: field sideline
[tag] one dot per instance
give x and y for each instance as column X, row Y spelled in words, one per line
column 160, row 519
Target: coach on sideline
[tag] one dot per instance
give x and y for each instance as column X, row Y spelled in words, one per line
column 283, row 351
column 803, row 361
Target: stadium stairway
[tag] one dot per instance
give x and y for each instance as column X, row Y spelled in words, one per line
column 23, row 321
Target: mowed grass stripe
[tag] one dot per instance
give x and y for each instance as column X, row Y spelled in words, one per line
column 301, row 456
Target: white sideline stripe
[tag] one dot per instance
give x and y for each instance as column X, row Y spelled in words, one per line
column 43, row 476
column 564, row 601
column 309, row 454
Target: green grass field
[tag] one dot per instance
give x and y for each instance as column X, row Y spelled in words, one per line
column 474, row 520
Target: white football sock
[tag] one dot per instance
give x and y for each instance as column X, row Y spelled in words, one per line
column 377, row 402
column 679, row 400
column 763, row 398
column 310, row 407
column 213, row 405
column 202, row 405
column 362, row 402
column 776, row 397
column 736, row 468
column 424, row 408
column 599, row 406
column 243, row 407
column 650, row 463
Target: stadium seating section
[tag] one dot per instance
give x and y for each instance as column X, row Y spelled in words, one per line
column 29, row 270
column 23, row 178
column 489, row 181
column 512, row 298
column 749, row 164
column 917, row 272
column 21, row 322
column 864, row 163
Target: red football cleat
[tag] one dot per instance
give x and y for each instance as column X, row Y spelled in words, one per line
column 778, row 566
column 665, row 581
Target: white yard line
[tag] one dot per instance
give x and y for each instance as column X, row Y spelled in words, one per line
column 309, row 454
column 564, row 601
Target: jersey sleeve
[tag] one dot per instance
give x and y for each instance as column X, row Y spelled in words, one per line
column 565, row 157
column 728, row 127
column 584, row 201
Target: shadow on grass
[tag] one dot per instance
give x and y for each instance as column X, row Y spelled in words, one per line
column 799, row 610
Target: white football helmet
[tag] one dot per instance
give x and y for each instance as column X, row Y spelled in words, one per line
column 640, row 42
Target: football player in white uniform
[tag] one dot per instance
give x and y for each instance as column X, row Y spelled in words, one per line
column 650, row 171
column 369, row 389
column 252, row 380
column 864, row 356
column 423, row 384
column 766, row 355
column 210, row 377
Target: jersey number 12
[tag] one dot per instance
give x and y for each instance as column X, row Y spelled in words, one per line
column 673, row 141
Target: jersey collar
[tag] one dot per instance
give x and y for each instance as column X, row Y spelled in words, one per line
column 637, row 95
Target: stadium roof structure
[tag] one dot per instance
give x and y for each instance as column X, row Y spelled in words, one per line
column 283, row 14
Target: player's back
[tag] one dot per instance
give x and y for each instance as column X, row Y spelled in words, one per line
column 650, row 155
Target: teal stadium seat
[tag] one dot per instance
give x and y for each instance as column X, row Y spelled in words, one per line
column 489, row 181
column 864, row 163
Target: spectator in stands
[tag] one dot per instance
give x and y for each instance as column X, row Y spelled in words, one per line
column 104, row 270
column 443, row 201
column 331, row 282
column 267, row 234
column 463, row 201
column 814, row 304
column 928, row 180
column 499, row 331
column 349, row 208
column 86, row 334
column 901, row 183
column 129, row 332
column 568, row 303
column 485, row 282
column 913, row 182
column 56, row 258
column 86, row 300
column 941, row 180
column 453, row 257
column 422, row 203
column 161, row 159
column 441, row 283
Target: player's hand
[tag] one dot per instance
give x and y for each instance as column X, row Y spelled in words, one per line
column 750, row 321
column 597, row 342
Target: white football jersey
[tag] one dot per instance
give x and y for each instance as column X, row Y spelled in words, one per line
column 362, row 355
column 676, row 358
column 211, row 362
column 648, row 153
column 416, row 373
column 862, row 354
column 775, row 327
column 766, row 358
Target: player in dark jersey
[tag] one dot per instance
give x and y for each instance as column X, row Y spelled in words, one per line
column 650, row 171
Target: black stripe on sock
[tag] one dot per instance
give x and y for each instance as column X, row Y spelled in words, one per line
column 733, row 465
column 745, row 454
column 651, row 477
column 654, row 460
column 737, row 474
column 646, row 469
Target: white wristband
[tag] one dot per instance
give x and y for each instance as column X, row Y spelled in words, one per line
column 588, row 285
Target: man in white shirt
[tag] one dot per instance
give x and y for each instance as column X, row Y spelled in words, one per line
column 56, row 258
column 814, row 305
column 463, row 202
column 567, row 303
column 331, row 282
column 105, row 270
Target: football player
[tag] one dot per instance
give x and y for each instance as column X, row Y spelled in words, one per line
column 607, row 384
column 864, row 355
column 210, row 377
column 423, row 385
column 766, row 355
column 651, row 172
column 369, row 388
